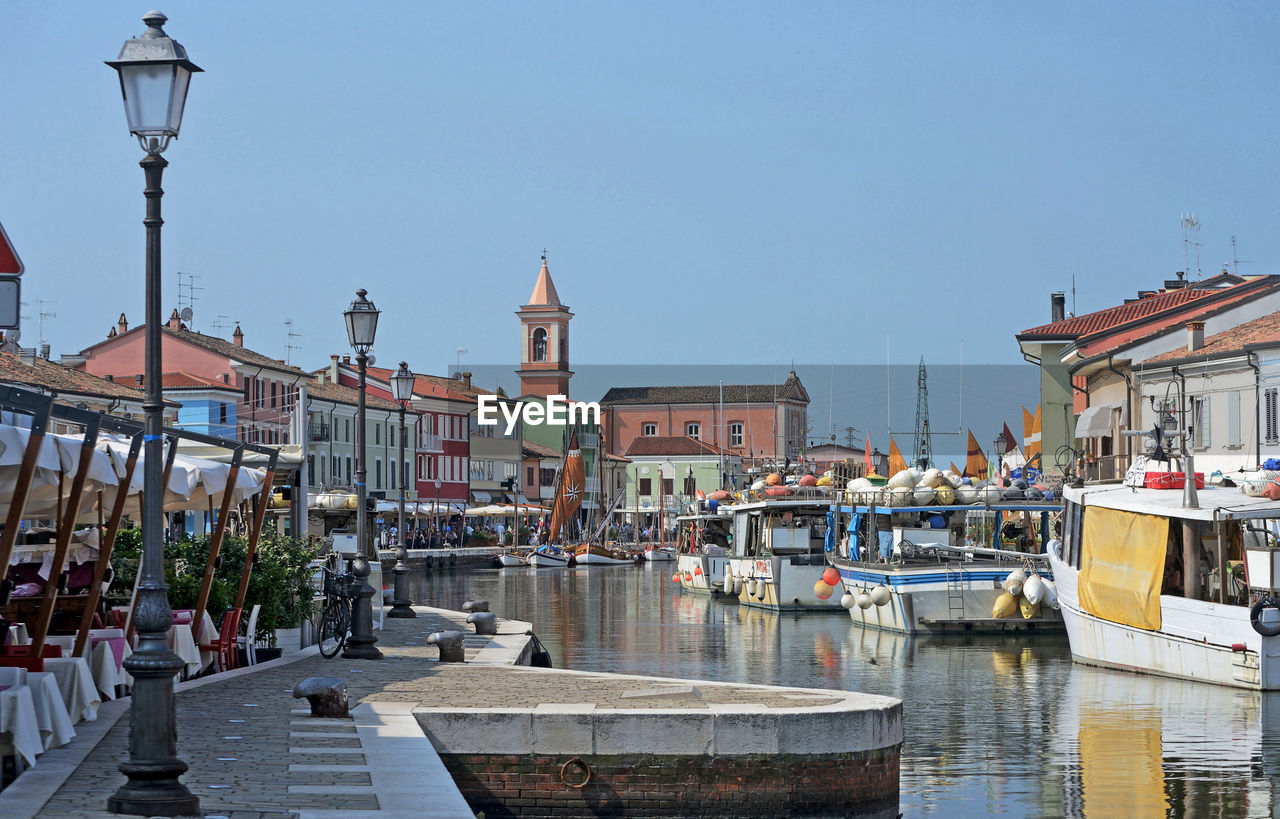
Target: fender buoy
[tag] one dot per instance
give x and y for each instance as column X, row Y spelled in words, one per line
column 1255, row 617
column 453, row 558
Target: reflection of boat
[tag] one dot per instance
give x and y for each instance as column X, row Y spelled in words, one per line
column 1129, row 601
column 924, row 577
column 512, row 559
column 549, row 557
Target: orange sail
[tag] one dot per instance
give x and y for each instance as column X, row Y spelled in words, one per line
column 975, row 464
column 569, row 492
column 1031, row 434
column 955, row 469
column 896, row 462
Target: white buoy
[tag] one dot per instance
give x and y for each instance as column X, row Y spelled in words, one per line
column 751, row 587
column 1017, row 578
column 847, row 601
column 1033, row 589
column 1050, row 593
column 864, row 600
column 880, row 595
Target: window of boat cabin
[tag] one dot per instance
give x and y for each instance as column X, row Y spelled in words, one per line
column 693, row 429
column 649, row 430
column 1072, row 531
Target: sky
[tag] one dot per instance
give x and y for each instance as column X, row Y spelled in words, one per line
column 713, row 183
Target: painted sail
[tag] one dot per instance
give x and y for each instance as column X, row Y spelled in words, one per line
column 896, row 462
column 866, row 458
column 569, row 493
column 1031, row 434
column 975, row 464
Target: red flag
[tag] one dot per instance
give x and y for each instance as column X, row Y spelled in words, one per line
column 1007, row 440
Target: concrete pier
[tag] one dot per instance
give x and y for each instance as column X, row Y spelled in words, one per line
column 437, row 739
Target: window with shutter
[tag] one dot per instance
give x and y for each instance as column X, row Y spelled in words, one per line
column 1269, row 402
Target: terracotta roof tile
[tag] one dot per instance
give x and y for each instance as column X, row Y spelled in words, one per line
column 1260, row 331
column 223, row 347
column 341, row 394
column 1102, row 320
column 661, row 446
column 544, row 290
column 535, row 450
column 56, row 378
column 191, row 381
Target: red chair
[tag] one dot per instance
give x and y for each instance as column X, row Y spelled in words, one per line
column 226, row 644
column 21, row 657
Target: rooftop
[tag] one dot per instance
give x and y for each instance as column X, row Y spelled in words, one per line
column 53, row 377
column 791, row 389
column 340, row 394
column 544, row 290
column 1260, row 331
column 663, row 446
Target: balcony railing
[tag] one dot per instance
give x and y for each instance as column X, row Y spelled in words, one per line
column 1106, row 468
column 430, row 443
column 318, row 432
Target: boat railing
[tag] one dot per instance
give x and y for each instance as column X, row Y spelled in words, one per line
column 1106, row 468
column 1001, row 554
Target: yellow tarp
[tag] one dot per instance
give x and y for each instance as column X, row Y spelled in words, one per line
column 1122, row 565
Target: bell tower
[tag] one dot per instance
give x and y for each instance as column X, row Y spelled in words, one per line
column 544, row 340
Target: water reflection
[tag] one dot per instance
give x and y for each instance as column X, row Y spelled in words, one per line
column 993, row 725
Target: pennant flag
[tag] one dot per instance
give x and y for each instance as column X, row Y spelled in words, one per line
column 866, row 457
column 896, row 462
column 1007, row 441
column 975, row 464
column 1031, row 432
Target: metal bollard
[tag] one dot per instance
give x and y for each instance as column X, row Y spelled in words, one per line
column 475, row 605
column 327, row 695
column 485, row 622
column 450, row 645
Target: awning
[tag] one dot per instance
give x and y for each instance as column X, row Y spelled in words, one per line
column 479, row 497
column 1095, row 421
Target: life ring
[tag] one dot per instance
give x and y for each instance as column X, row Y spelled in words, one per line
column 1255, row 617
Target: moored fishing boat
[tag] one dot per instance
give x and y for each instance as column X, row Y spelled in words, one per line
column 778, row 551
column 595, row 554
column 511, row 558
column 549, row 557
column 1130, row 602
column 702, row 553
column 659, row 554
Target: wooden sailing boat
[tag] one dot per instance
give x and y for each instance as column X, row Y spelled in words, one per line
column 568, row 500
column 593, row 551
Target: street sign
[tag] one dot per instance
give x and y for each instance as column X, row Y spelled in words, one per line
column 10, row 264
column 10, row 295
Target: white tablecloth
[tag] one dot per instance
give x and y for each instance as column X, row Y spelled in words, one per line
column 75, row 681
column 18, row 635
column 51, row 711
column 107, row 674
column 19, row 731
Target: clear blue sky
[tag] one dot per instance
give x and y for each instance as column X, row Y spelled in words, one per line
column 714, row 182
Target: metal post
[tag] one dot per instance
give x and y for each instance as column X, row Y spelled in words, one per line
column 401, row 606
column 360, row 645
column 153, row 766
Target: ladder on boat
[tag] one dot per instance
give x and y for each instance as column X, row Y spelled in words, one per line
column 955, row 591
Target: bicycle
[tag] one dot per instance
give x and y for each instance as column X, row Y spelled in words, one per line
column 335, row 614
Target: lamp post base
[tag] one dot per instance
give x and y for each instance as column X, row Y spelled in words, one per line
column 401, row 605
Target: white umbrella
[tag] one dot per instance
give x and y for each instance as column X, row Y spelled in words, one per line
column 44, row 480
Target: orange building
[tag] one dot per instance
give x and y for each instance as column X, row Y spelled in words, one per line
column 764, row 424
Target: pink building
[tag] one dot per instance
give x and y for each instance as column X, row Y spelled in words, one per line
column 764, row 424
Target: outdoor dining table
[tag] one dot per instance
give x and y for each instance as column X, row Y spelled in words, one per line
column 75, row 681
column 19, row 730
column 182, row 640
column 50, row 709
column 107, row 650
column 17, row 635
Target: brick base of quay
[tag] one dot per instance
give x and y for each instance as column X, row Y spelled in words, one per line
column 861, row 784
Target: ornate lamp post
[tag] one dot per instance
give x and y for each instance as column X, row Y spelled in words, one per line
column 435, row 511
column 362, row 326
column 154, row 76
column 402, row 391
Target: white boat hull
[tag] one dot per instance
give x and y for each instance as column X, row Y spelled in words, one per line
column 510, row 559
column 546, row 560
column 660, row 555
column 780, row 585
column 1197, row 640
column 593, row 559
column 938, row 599
column 702, row 574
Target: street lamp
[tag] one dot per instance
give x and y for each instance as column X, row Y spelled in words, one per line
column 435, row 512
column 154, row 76
column 362, row 326
column 402, row 392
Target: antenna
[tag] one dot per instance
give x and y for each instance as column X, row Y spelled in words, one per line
column 1190, row 238
column 44, row 314
column 221, row 322
column 289, row 346
column 461, row 351
column 1073, row 295
column 187, row 294
column 1235, row 257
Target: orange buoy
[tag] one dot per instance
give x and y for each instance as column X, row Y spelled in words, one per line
column 721, row 495
column 688, row 578
column 698, row 571
column 675, row 578
column 808, row 480
column 773, row 479
column 823, row 590
column 831, row 576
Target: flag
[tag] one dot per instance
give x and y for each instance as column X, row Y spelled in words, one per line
column 1007, row 441
column 1031, row 433
column 896, row 462
column 975, row 464
column 866, row 457
column 569, row 493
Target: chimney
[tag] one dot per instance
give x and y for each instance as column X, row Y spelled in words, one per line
column 333, row 370
column 237, row 337
column 137, row 379
column 44, row 350
column 466, row 380
column 112, row 333
column 1195, row 335
column 1057, row 306
column 110, row 377
column 226, row 378
column 175, row 321
column 27, row 355
column 122, row 325
column 346, row 359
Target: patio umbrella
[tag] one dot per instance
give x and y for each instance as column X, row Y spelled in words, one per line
column 44, row 481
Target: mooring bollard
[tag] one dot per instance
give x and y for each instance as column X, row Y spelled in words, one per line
column 327, row 695
column 450, row 645
column 485, row 622
column 475, row 605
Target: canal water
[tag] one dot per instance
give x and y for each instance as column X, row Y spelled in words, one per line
column 993, row 725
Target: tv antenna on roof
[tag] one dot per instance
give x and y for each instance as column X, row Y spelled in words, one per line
column 1190, row 238
column 1235, row 258
column 461, row 351
column 221, row 322
column 187, row 294
column 44, row 314
column 289, row 346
